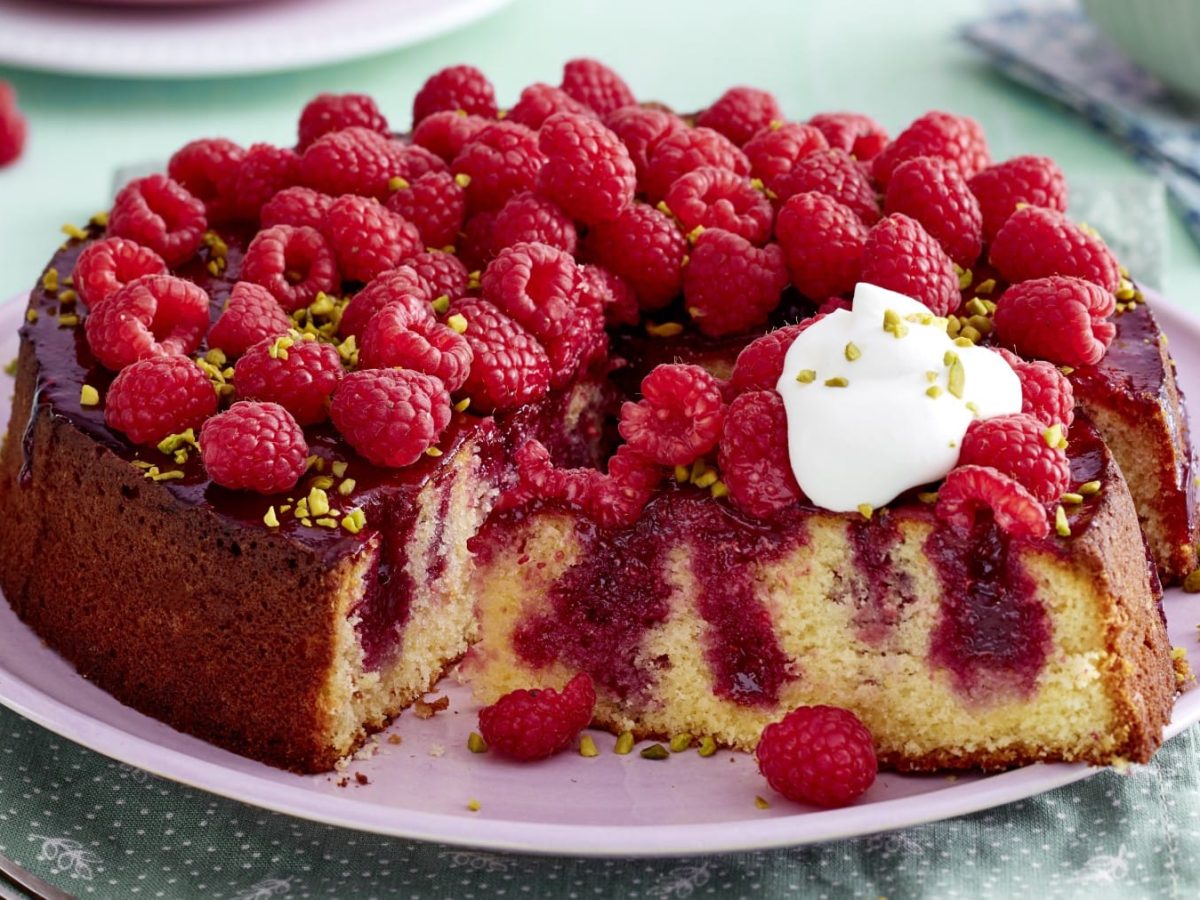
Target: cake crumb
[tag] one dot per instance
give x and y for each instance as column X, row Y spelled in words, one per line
column 343, row 782
column 436, row 750
column 761, row 802
column 369, row 749
column 361, row 778
column 394, row 739
column 424, row 710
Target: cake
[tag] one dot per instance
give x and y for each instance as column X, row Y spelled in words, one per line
column 424, row 465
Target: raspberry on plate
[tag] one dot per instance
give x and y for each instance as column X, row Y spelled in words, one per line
column 754, row 455
column 730, row 285
column 539, row 101
column 333, row 112
column 1036, row 242
column 588, row 172
column 934, row 193
column 503, row 159
column 644, row 248
column 775, row 150
column 530, row 218
column 367, row 238
column 394, row 338
column 435, row 204
column 860, row 136
column 709, row 197
column 509, row 367
column 596, row 86
column 207, row 169
column 760, row 363
column 1060, row 319
column 355, row 160
column 832, row 172
column 818, row 754
column 684, row 150
column 1030, row 180
column 158, row 213
column 251, row 314
column 957, row 139
column 255, row 447
column 12, row 126
column 263, row 172
column 1016, row 446
column 455, row 88
column 107, row 265
column 391, row 416
column 640, row 129
column 534, row 724
column 901, row 256
column 155, row 315
column 740, row 113
column 399, row 284
column 823, row 242
column 293, row 263
column 679, row 417
column 153, row 398
column 446, row 133
column 295, row 206
column 299, row 375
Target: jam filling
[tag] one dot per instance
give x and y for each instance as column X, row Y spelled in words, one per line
column 881, row 591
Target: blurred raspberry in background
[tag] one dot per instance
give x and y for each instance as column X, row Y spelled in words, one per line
column 12, row 125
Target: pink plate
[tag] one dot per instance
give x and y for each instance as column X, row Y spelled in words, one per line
column 606, row 806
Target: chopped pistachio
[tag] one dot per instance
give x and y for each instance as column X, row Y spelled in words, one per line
column 587, row 747
column 1061, row 526
column 965, row 277
column 694, row 234
column 461, row 405
column 1072, row 498
column 655, row 751
column 473, row 805
column 663, row 329
column 441, row 304
column 986, row 286
column 708, row 479
column 463, row 180
column 949, row 358
column 866, row 510
column 69, row 320
column 971, row 333
column 10, row 368
column 624, row 743
column 927, row 496
column 975, row 307
column 346, row 488
column 458, row 322
column 680, row 742
column 216, row 357
column 88, row 396
column 433, row 452
column 982, row 324
column 683, row 474
column 761, row 802
column 719, row 490
column 838, row 382
column 100, row 219
column 931, row 376
column 50, row 280
column 972, row 407
column 963, row 342
column 1089, row 487
column 894, row 324
column 708, row 746
column 74, row 232
column 807, row 376
column 852, row 352
column 1053, row 436
column 933, row 391
column 271, row 520
column 354, row 521
column 396, row 183
column 324, row 482
column 956, row 382
column 476, row 743
column 327, row 522
column 1191, row 583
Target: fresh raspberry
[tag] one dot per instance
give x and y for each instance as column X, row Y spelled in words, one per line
column 717, row 198
column 502, row 160
column 835, row 173
column 934, row 193
column 968, row 489
column 1014, row 445
column 682, row 151
column 455, row 88
column 367, row 238
column 411, row 161
column 299, row 375
column 333, row 112
column 394, row 338
column 1033, row 180
column 588, row 171
column 679, row 417
column 833, row 304
column 760, row 363
column 596, row 86
column 643, row 247
column 530, row 218
column 264, row 171
column 254, row 447
column 510, row 368
column 391, row 416
column 475, row 246
column 1060, row 319
column 775, row 150
column 295, row 206
column 12, row 126
column 435, row 204
column 740, row 113
column 1037, row 242
column 108, row 265
column 617, row 298
column 730, row 285
column 957, row 139
column 154, row 398
column 403, row 284
column 443, row 273
column 251, row 315
column 582, row 341
column 901, row 256
column 823, row 243
column 158, row 213
column 293, row 263
column 538, row 102
column 354, row 160
column 860, row 136
column 640, row 129
column 529, row 725
column 754, row 455
column 535, row 285
column 446, row 133
column 821, row 755
column 155, row 315
column 1046, row 393
column 207, row 169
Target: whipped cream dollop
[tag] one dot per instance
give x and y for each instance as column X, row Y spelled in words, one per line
column 878, row 399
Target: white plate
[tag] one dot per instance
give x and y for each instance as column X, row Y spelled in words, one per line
column 606, row 806
column 219, row 39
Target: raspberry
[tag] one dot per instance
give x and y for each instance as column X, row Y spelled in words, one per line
column 833, row 304
column 717, row 198
column 740, row 113
column 775, row 150
column 640, row 129
column 957, row 139
column 823, row 243
column 1036, row 242
column 1046, row 394
column 108, row 265
column 153, row 398
column 207, row 169
column 399, row 284
column 12, row 126
column 391, row 416
column 538, row 102
column 535, row 285
column 333, row 112
column 754, row 455
column 643, row 247
column 968, row 489
column 446, row 133
column 354, row 160
column 860, row 136
column 411, row 161
column 529, row 218
column 435, row 204
column 367, row 238
column 821, row 755
column 475, row 247
column 934, row 193
column 455, row 88
column 588, row 171
column 158, row 213
column 295, row 206
column 264, row 171
column 529, row 725
column 443, row 273
column 1063, row 320
column 155, row 315
column 1014, row 446
column 679, row 417
column 682, row 151
column 835, row 173
column 293, row 263
column 502, row 160
column 583, row 339
column 510, row 368
column 901, row 256
column 730, row 285
column 617, row 299
column 394, row 338
column 254, row 447
column 760, row 363
column 596, row 86
column 1033, row 180
column 297, row 374
column 251, row 315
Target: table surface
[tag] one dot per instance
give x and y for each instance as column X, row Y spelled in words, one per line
column 100, row 829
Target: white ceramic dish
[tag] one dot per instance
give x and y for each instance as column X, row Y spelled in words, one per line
column 199, row 40
column 606, row 806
